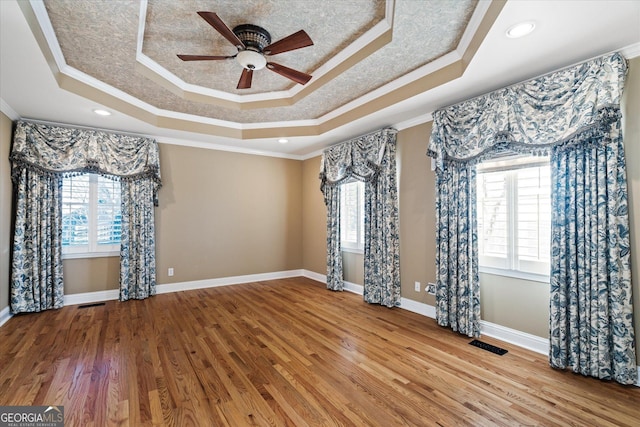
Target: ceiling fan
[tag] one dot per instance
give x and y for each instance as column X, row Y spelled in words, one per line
column 254, row 44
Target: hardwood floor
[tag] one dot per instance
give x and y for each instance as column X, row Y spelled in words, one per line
column 284, row 353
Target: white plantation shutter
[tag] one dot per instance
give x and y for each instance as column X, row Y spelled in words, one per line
column 91, row 216
column 352, row 215
column 75, row 211
column 514, row 216
column 108, row 216
column 493, row 221
column 534, row 219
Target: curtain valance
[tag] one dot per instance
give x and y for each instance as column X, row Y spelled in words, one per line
column 559, row 108
column 370, row 158
column 360, row 158
column 42, row 155
column 57, row 149
column 574, row 116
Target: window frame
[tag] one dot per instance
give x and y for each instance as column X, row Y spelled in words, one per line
column 509, row 268
column 92, row 249
column 358, row 246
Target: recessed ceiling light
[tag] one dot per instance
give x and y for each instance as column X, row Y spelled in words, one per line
column 521, row 29
column 283, row 140
column 100, row 112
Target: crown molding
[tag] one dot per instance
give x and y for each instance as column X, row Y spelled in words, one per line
column 8, row 111
column 631, row 51
column 445, row 68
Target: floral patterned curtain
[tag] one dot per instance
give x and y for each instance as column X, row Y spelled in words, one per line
column 457, row 280
column 41, row 155
column 36, row 269
column 370, row 158
column 591, row 302
column 138, row 244
column 573, row 115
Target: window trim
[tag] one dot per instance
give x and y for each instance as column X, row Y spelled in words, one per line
column 92, row 249
column 358, row 247
column 79, row 255
column 510, row 164
column 351, row 249
column 517, row 274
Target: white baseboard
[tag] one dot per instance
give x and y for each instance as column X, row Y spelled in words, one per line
column 114, row 294
column 418, row 307
column 353, row 287
column 91, row 297
column 225, row 281
column 315, row 276
column 513, row 336
column 5, row 315
column 638, row 381
column 348, row 286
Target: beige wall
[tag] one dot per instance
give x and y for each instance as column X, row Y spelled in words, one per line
column 226, row 214
column 221, row 214
column 90, row 274
column 631, row 133
column 518, row 304
column 314, row 219
column 353, row 267
column 5, row 208
column 417, row 213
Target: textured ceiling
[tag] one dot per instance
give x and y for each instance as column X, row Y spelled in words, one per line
column 58, row 67
column 422, row 31
column 173, row 27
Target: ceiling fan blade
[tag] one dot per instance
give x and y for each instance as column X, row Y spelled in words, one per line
column 294, row 41
column 245, row 79
column 217, row 23
column 203, row 57
column 290, row 73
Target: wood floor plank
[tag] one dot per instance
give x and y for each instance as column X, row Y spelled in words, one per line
column 285, row 353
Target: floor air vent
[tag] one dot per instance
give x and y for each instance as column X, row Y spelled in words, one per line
column 91, row 305
column 492, row 348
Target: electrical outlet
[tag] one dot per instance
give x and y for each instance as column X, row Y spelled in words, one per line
column 431, row 288
column 417, row 286
column 170, row 271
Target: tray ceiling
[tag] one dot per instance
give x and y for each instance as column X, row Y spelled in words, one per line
column 374, row 64
column 359, row 46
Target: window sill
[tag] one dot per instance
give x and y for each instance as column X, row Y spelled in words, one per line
column 353, row 250
column 516, row 274
column 91, row 255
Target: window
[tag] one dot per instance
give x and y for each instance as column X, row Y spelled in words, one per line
column 514, row 217
column 91, row 218
column 352, row 216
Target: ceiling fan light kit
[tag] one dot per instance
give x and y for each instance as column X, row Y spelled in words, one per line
column 251, row 60
column 254, row 44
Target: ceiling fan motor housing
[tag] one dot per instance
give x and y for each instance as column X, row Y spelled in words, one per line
column 255, row 39
column 253, row 44
column 253, row 36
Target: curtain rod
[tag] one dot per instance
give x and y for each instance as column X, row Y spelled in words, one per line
column 70, row 126
column 566, row 67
